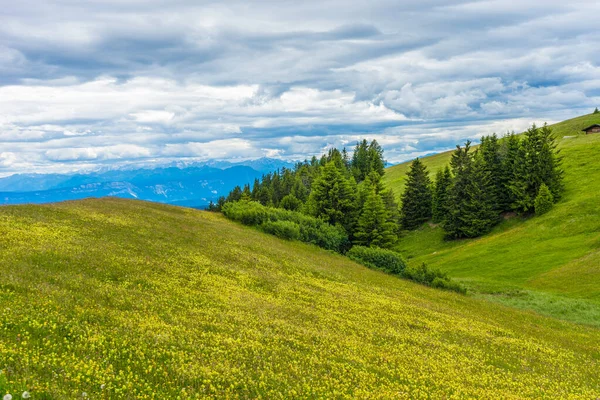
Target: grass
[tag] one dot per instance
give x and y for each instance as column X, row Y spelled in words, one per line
column 549, row 263
column 128, row 299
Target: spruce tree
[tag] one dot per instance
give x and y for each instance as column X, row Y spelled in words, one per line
column 538, row 163
column 544, row 200
column 492, row 164
column 360, row 161
column 416, row 199
column 391, row 206
column 470, row 206
column 332, row 197
column 510, row 169
column 374, row 227
column 596, row 111
column 376, row 162
column 439, row 207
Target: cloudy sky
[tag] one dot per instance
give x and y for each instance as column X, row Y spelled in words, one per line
column 86, row 83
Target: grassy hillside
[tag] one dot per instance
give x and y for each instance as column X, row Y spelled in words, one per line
column 550, row 263
column 127, row 299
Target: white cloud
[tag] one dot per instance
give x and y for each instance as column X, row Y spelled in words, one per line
column 84, row 84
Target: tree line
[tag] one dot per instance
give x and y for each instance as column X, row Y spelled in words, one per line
column 519, row 174
column 339, row 189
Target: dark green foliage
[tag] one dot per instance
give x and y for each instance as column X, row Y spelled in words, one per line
column 326, row 188
column 283, row 229
column 538, row 163
column 332, row 197
column 312, row 230
column 596, row 111
column 367, row 158
column 491, row 163
column 441, row 191
column 416, row 199
column 471, row 201
column 235, row 194
column 432, row 277
column 510, row 169
column 290, row 202
column 393, row 212
column 374, row 226
column 544, row 200
column 382, row 259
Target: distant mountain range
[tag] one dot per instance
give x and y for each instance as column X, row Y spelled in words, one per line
column 185, row 184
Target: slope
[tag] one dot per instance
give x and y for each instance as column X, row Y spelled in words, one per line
column 550, row 263
column 127, row 299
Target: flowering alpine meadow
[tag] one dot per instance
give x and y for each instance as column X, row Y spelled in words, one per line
column 105, row 299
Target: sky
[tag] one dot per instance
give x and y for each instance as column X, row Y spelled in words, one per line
column 88, row 83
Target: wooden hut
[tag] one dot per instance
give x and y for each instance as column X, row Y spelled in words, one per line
column 592, row 129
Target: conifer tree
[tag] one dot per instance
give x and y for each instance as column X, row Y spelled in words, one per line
column 246, row 193
column 391, row 206
column 376, row 162
column 332, row 197
column 596, row 111
column 374, row 227
column 544, row 200
column 538, row 163
column 510, row 168
column 439, row 208
column 471, row 208
column 360, row 161
column 299, row 191
column 235, row 194
column 492, row 164
column 416, row 199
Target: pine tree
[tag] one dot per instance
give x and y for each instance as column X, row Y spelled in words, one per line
column 538, row 163
column 439, row 207
column 374, row 227
column 235, row 194
column 596, row 111
column 246, row 193
column 544, row 200
column 391, row 206
column 510, row 169
column 416, row 199
column 332, row 197
column 376, row 162
column 470, row 206
column 299, row 190
column 492, row 164
column 360, row 161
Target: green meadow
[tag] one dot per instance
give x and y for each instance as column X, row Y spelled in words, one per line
column 116, row 298
column 549, row 263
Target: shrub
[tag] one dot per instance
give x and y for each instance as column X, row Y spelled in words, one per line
column 432, row 277
column 283, row 229
column 290, row 202
column 372, row 257
column 246, row 212
column 544, row 200
column 310, row 229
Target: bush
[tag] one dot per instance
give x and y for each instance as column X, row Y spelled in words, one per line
column 290, row 202
column 246, row 212
column 372, row 257
column 432, row 277
column 310, row 229
column 544, row 200
column 283, row 229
